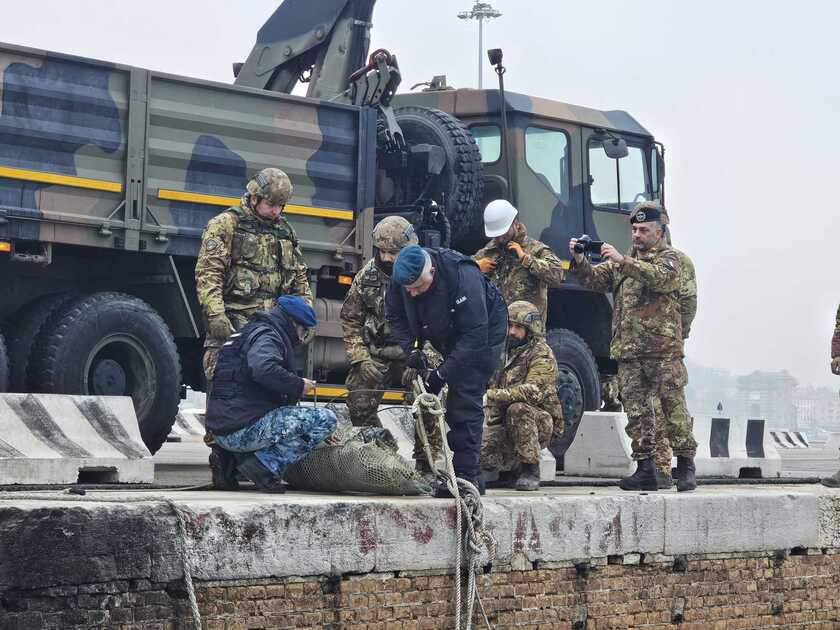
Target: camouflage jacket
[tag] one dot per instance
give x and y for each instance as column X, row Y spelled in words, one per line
column 647, row 321
column 529, row 375
column 835, row 340
column 363, row 312
column 245, row 263
column 526, row 279
column 687, row 292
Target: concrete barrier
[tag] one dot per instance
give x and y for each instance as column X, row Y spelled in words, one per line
column 189, row 423
column 601, row 447
column 726, row 447
column 59, row 439
column 735, row 447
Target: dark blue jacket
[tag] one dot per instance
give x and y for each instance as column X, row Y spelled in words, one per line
column 462, row 315
column 255, row 373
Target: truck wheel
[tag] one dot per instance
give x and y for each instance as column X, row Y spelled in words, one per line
column 23, row 335
column 4, row 365
column 460, row 185
column 578, row 386
column 113, row 344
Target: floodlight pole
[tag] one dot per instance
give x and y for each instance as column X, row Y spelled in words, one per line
column 480, row 11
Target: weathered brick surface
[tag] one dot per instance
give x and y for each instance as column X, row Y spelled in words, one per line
column 709, row 592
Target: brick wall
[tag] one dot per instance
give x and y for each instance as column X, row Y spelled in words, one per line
column 788, row 589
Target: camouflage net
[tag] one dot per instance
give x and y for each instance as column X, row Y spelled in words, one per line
column 364, row 460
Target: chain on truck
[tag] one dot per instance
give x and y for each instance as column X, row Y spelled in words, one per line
column 109, row 173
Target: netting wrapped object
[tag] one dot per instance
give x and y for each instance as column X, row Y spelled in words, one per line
column 365, row 460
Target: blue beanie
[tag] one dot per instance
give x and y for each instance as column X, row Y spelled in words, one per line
column 409, row 265
column 295, row 307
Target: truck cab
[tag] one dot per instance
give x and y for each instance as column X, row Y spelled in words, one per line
column 564, row 184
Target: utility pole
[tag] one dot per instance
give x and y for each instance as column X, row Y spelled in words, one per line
column 481, row 11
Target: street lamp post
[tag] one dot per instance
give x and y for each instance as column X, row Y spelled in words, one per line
column 480, row 11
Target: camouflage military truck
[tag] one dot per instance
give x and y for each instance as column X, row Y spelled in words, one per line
column 109, row 173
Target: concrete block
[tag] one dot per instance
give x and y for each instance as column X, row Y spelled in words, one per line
column 558, row 528
column 726, row 447
column 739, row 521
column 188, row 423
column 601, row 448
column 52, row 438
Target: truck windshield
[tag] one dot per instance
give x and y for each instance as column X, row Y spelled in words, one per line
column 603, row 187
column 489, row 141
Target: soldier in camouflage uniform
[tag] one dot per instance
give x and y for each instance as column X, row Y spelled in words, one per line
column 249, row 257
column 688, row 310
column 522, row 267
column 834, row 480
column 522, row 411
column 376, row 361
column 647, row 342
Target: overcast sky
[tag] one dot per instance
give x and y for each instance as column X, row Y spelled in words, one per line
column 744, row 95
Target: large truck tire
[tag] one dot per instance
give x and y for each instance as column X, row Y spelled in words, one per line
column 113, row 344
column 460, row 185
column 23, row 334
column 4, row 365
column 578, row 384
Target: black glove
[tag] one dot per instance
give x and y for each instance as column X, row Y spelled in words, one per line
column 417, row 361
column 434, row 382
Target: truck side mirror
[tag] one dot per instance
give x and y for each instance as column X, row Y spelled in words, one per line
column 615, row 148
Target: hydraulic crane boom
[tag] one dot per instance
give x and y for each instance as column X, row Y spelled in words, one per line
column 320, row 42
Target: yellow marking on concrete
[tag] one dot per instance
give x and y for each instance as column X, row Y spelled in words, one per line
column 329, row 391
column 220, row 200
column 61, row 180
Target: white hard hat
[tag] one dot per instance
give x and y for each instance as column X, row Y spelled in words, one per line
column 498, row 217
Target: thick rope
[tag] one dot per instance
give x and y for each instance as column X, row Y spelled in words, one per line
column 180, row 515
column 467, row 502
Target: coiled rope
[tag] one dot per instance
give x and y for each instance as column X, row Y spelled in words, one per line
column 473, row 538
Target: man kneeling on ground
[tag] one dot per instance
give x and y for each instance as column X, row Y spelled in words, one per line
column 252, row 412
column 522, row 410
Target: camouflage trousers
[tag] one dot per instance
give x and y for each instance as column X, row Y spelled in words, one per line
column 282, row 436
column 212, row 345
column 363, row 400
column 516, row 436
column 652, row 393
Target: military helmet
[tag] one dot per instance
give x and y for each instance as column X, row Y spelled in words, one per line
column 526, row 315
column 272, row 184
column 650, row 205
column 391, row 234
column 498, row 217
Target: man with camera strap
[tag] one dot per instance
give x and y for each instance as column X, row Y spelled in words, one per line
column 647, row 342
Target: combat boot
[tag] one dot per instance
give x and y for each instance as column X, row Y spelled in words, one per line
column 686, row 480
column 664, row 481
column 263, row 478
column 643, row 479
column 529, row 478
column 223, row 469
column 441, row 491
column 831, row 482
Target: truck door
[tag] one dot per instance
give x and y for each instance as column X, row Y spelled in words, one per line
column 614, row 186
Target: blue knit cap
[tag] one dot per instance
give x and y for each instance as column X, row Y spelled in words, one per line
column 409, row 265
column 295, row 307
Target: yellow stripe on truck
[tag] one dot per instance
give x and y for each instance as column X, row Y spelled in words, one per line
column 330, row 391
column 220, row 200
column 60, row 180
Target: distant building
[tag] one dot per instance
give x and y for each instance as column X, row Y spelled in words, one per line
column 767, row 395
column 709, row 388
column 817, row 408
